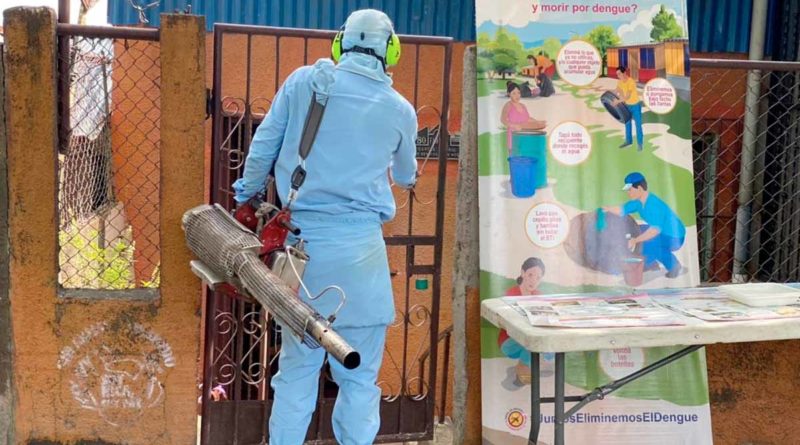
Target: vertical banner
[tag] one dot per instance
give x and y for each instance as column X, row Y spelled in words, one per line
column 586, row 185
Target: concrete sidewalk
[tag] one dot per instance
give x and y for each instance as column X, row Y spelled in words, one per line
column 442, row 435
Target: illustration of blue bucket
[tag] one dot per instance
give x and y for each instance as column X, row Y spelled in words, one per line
column 523, row 176
column 532, row 144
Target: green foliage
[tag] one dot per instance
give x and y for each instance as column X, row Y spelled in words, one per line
column 665, row 26
column 503, row 55
column 95, row 267
column 504, row 61
column 484, row 63
column 551, row 46
column 602, row 38
column 603, row 171
column 675, row 120
column 155, row 279
column 487, row 86
column 485, row 42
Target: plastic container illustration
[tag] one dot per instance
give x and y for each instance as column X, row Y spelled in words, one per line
column 633, row 271
column 532, row 144
column 523, row 176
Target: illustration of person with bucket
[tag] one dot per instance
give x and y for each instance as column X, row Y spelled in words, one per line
column 663, row 232
column 526, row 145
column 515, row 115
column 527, row 284
column 629, row 96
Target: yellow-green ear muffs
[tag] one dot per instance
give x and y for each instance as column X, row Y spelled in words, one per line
column 393, row 50
column 336, row 46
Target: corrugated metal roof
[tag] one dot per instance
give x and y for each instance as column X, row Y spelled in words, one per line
column 714, row 25
column 783, row 30
column 719, row 25
column 454, row 18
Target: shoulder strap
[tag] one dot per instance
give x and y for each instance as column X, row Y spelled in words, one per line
column 313, row 119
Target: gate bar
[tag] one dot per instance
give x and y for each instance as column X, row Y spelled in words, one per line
column 319, row 33
column 108, row 32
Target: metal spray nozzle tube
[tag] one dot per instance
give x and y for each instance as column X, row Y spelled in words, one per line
column 230, row 250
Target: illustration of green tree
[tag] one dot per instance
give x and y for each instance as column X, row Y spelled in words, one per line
column 665, row 26
column 485, row 42
column 504, row 61
column 602, row 38
column 484, row 63
column 551, row 46
column 508, row 52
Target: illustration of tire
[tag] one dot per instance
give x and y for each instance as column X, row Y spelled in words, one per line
column 619, row 111
column 601, row 250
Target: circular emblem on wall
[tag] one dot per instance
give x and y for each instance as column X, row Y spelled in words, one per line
column 116, row 370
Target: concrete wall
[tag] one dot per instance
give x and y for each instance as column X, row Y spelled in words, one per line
column 6, row 341
column 103, row 370
column 466, row 271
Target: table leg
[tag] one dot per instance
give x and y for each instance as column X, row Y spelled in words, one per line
column 559, row 399
column 536, row 401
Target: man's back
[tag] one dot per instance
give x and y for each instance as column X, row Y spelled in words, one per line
column 366, row 122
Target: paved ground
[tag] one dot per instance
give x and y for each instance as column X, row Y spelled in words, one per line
column 442, row 436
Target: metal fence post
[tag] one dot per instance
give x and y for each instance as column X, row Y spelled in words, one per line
column 744, row 210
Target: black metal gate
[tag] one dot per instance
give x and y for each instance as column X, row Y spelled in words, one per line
column 241, row 342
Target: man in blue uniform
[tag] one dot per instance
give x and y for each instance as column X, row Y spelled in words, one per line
column 368, row 128
column 663, row 233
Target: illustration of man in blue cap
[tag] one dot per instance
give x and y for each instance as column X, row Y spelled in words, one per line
column 663, row 232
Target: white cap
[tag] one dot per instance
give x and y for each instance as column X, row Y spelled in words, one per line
column 367, row 28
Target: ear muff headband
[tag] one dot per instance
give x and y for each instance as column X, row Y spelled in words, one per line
column 393, row 49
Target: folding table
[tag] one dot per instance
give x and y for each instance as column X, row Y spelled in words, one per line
column 693, row 335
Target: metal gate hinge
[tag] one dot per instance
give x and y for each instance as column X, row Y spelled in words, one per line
column 209, row 103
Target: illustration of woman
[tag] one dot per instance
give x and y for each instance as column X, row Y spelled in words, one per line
column 515, row 115
column 527, row 284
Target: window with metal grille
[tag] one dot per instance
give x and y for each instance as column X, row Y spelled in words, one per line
column 108, row 166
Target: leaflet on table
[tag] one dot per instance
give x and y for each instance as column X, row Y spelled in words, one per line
column 593, row 312
column 719, row 307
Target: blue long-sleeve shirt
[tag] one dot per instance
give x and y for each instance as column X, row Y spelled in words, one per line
column 368, row 128
column 657, row 214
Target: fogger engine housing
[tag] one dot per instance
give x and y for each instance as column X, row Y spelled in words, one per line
column 228, row 255
column 287, row 262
